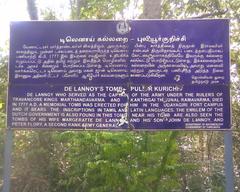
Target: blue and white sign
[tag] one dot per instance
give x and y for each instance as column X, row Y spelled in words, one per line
column 144, row 74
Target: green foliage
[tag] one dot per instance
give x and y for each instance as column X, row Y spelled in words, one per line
column 48, row 14
column 194, row 7
column 3, row 91
column 96, row 9
column 33, row 159
column 113, row 162
column 3, row 78
column 236, row 141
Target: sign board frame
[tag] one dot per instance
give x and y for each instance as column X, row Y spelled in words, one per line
column 124, row 30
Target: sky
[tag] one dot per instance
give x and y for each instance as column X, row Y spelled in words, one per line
column 11, row 10
column 16, row 10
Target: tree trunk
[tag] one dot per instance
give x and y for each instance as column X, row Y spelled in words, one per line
column 32, row 9
column 76, row 6
column 151, row 9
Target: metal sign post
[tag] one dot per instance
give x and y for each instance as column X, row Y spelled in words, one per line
column 228, row 153
column 7, row 160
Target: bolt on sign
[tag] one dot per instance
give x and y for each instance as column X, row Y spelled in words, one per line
column 136, row 74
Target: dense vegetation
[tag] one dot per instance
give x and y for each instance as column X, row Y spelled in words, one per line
column 125, row 161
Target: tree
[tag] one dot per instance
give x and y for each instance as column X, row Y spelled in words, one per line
column 32, row 9
column 3, row 93
column 93, row 9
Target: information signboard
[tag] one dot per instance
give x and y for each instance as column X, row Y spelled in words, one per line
column 137, row 74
